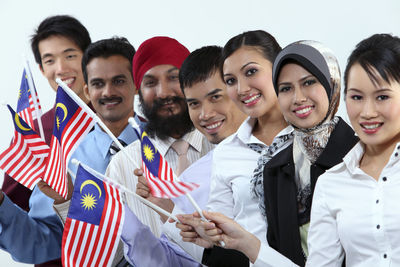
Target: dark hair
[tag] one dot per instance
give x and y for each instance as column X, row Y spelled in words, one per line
column 106, row 48
column 62, row 25
column 200, row 65
column 380, row 53
column 261, row 40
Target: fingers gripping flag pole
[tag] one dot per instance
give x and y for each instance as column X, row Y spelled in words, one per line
column 160, row 177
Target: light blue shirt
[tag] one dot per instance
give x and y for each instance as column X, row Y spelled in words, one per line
column 35, row 237
column 160, row 251
column 94, row 150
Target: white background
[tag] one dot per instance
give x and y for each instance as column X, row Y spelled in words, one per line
column 339, row 24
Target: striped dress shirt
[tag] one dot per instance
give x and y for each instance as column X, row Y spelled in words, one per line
column 121, row 169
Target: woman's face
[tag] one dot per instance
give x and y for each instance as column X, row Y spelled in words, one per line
column 302, row 98
column 248, row 77
column 374, row 110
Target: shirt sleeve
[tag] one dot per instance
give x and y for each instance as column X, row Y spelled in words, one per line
column 173, row 233
column 33, row 237
column 221, row 195
column 268, row 257
column 153, row 252
column 323, row 239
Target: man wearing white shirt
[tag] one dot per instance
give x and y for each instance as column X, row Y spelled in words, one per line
column 213, row 114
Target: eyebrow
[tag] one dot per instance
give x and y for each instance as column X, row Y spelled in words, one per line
column 244, row 66
column 213, row 92
column 65, row 51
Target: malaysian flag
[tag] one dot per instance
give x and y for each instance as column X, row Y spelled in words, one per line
column 160, row 177
column 25, row 106
column 71, row 124
column 94, row 222
column 25, row 160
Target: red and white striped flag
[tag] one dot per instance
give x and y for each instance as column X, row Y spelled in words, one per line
column 25, row 160
column 94, row 222
column 71, row 124
column 160, row 177
column 25, row 106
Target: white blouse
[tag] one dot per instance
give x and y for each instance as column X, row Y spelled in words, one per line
column 232, row 170
column 356, row 216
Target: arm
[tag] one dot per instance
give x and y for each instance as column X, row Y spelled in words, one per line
column 153, row 252
column 33, row 237
column 323, row 239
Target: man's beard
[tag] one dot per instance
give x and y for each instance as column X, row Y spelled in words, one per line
column 164, row 127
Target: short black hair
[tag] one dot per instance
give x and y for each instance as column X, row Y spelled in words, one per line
column 259, row 39
column 61, row 25
column 380, row 53
column 200, row 65
column 106, row 48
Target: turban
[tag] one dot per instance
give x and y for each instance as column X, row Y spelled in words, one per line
column 156, row 51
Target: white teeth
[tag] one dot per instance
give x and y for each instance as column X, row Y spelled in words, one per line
column 251, row 99
column 371, row 126
column 213, row 126
column 304, row 110
column 69, row 81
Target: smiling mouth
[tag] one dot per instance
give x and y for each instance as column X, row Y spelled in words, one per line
column 213, row 125
column 371, row 126
column 251, row 99
column 303, row 110
column 110, row 101
column 68, row 81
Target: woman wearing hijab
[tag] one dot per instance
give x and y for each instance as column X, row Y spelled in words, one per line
column 306, row 78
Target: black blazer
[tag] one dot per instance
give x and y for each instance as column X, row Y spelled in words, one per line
column 280, row 190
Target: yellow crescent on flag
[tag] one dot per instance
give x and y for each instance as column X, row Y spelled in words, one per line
column 88, row 182
column 64, row 108
column 18, row 123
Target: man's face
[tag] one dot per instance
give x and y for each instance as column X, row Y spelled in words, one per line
column 110, row 88
column 211, row 110
column 163, row 103
column 61, row 58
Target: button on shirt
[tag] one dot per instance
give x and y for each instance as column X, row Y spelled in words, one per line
column 232, row 169
column 355, row 215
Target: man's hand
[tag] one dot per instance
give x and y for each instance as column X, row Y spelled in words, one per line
column 51, row 193
column 143, row 190
column 193, row 229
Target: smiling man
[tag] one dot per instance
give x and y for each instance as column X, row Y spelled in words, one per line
column 58, row 45
column 216, row 116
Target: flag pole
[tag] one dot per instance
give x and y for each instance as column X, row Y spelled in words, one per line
column 133, row 123
column 84, row 106
column 125, row 189
column 33, row 94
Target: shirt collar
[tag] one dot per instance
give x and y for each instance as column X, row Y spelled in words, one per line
column 103, row 141
column 352, row 159
column 244, row 133
column 194, row 138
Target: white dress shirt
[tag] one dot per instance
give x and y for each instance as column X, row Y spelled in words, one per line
column 356, row 216
column 232, row 170
column 122, row 170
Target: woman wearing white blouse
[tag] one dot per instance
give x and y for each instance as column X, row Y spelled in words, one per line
column 355, row 212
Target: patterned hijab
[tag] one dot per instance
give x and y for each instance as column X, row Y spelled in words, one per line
column 309, row 143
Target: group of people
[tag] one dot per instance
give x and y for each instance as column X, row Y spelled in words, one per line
column 283, row 180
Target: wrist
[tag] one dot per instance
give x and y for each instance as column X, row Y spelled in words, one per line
column 251, row 247
column 1, row 197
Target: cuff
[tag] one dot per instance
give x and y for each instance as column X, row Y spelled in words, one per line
column 62, row 210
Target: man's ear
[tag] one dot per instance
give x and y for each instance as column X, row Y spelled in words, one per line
column 86, row 91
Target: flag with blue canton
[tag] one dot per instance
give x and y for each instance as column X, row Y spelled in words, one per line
column 25, row 160
column 94, row 222
column 160, row 177
column 25, row 106
column 71, row 124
